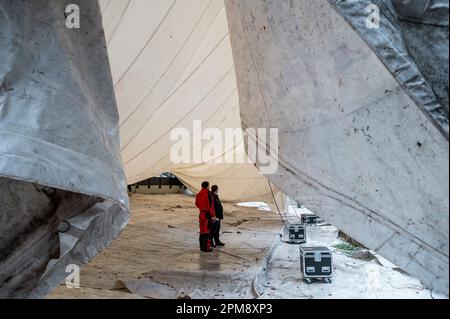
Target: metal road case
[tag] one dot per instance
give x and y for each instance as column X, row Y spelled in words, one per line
column 316, row 263
column 297, row 233
column 309, row 219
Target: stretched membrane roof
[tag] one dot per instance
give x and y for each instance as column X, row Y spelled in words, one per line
column 366, row 150
column 172, row 63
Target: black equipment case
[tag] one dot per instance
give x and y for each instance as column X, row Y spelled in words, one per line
column 297, row 233
column 309, row 219
column 316, row 263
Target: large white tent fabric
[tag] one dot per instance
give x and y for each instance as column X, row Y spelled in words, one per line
column 172, row 64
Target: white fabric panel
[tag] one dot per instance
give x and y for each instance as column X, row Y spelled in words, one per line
column 171, row 64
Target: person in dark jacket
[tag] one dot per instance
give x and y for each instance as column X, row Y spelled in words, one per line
column 218, row 208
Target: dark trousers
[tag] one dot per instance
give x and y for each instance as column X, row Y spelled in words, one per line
column 215, row 231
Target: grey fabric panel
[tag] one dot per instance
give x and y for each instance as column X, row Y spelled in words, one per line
column 427, row 41
column 29, row 231
column 415, row 53
column 58, row 131
column 359, row 144
column 433, row 12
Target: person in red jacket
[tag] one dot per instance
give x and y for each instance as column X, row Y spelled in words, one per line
column 205, row 204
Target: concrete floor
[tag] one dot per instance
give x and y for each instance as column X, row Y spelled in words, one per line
column 157, row 255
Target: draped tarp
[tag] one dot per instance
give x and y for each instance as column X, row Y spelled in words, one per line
column 59, row 145
column 172, row 63
column 237, row 182
column 363, row 136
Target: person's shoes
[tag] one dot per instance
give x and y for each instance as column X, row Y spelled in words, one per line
column 213, row 245
column 219, row 243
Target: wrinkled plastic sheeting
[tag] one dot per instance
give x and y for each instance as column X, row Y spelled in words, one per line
column 59, row 145
column 412, row 40
column 363, row 138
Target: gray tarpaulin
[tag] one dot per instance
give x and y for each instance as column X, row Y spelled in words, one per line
column 59, row 145
column 362, row 114
column 413, row 49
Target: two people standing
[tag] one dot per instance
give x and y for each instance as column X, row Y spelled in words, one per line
column 211, row 212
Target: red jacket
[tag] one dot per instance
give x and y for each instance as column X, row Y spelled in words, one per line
column 205, row 202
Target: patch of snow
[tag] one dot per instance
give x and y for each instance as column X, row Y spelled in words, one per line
column 259, row 205
column 353, row 278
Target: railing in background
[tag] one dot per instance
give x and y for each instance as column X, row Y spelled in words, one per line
column 165, row 179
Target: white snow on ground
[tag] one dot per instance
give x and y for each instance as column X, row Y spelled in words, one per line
column 353, row 278
column 157, row 256
column 372, row 277
column 259, row 205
